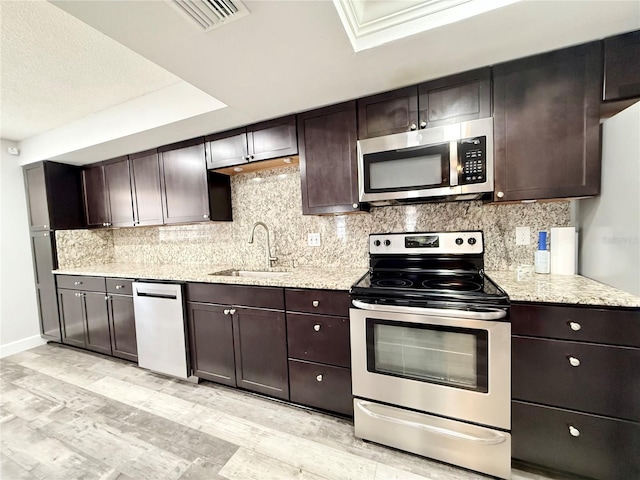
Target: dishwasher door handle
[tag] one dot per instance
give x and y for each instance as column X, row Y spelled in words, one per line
column 156, row 295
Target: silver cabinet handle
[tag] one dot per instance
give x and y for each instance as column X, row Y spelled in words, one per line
column 575, row 326
column 316, row 327
column 500, row 194
column 106, row 297
column 319, row 378
column 413, row 126
column 46, row 234
column 77, row 283
column 574, row 362
column 77, row 294
column 355, row 205
column 423, row 124
column 205, row 216
column 119, row 287
column 232, row 311
column 574, row 431
column 45, row 226
column 315, row 303
column 226, row 311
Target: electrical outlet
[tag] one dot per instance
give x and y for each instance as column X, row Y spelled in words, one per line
column 313, row 239
column 523, row 236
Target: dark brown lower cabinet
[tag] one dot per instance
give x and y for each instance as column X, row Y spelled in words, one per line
column 260, row 340
column 85, row 320
column 44, row 261
column 321, row 386
column 123, row 327
column 211, row 336
column 590, row 445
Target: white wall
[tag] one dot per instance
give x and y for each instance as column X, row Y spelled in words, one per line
column 19, row 324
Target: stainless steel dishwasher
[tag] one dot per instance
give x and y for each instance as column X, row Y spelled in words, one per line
column 160, row 329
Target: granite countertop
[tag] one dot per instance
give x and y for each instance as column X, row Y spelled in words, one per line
column 570, row 289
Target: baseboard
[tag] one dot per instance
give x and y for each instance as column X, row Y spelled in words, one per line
column 21, row 345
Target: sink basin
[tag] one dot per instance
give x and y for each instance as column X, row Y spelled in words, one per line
column 249, row 273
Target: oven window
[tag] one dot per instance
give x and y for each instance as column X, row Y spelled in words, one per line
column 457, row 357
column 407, row 169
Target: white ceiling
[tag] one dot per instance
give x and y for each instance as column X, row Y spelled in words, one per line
column 284, row 57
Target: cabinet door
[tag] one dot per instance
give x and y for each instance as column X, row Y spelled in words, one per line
column 123, row 327
column 95, row 199
column 589, row 445
column 622, row 66
column 43, row 252
column 184, row 183
column 98, row 336
column 260, row 341
column 328, row 160
column 71, row 317
column 117, row 181
column 37, row 197
column 145, row 183
column 211, row 338
column 227, row 149
column 546, row 125
column 388, row 113
column 457, row 98
column 272, row 139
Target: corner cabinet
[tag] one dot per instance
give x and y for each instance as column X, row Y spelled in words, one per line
column 456, row 98
column 189, row 192
column 576, row 389
column 622, row 66
column 546, row 125
column 328, row 160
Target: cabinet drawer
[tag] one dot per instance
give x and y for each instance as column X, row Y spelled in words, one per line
column 318, row 338
column 321, row 386
column 603, row 379
column 324, row 302
column 120, row 286
column 76, row 282
column 261, row 297
column 598, row 325
column 603, row 448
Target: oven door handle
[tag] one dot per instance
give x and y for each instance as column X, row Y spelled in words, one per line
column 484, row 314
column 492, row 438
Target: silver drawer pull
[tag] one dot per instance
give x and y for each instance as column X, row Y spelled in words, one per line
column 119, row 287
column 232, row 311
column 574, row 362
column 575, row 326
column 78, row 294
column 226, row 311
column 77, row 283
column 315, row 303
column 319, row 378
column 574, row 431
column 316, row 327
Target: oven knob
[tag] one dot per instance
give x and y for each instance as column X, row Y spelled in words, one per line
column 472, row 241
column 387, row 242
column 459, row 241
column 377, row 243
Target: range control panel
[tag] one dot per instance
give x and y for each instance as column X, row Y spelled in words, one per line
column 473, row 162
column 426, row 243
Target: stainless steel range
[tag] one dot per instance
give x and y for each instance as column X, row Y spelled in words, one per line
column 431, row 351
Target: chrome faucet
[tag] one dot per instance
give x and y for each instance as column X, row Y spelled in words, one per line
column 269, row 258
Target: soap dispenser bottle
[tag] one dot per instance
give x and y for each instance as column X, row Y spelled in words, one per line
column 542, row 258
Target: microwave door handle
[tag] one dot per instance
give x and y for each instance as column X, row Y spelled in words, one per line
column 484, row 314
column 453, row 164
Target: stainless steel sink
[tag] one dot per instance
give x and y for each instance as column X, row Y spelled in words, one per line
column 249, row 273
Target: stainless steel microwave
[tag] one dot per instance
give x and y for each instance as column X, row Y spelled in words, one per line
column 454, row 162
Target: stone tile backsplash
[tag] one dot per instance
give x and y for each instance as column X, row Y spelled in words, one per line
column 274, row 197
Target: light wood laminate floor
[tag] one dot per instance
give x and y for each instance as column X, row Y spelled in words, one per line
column 68, row 414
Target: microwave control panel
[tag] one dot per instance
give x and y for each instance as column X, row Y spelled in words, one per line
column 473, row 162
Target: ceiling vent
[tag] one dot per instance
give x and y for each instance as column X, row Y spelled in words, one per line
column 210, row 14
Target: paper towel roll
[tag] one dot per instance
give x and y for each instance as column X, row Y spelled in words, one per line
column 563, row 250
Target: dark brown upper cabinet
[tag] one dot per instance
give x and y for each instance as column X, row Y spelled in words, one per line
column 546, row 125
column 117, row 181
column 456, row 98
column 96, row 203
column 328, row 160
column 145, row 188
column 622, row 66
column 262, row 141
column 189, row 192
column 54, row 196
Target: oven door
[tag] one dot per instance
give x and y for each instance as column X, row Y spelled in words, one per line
column 431, row 361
